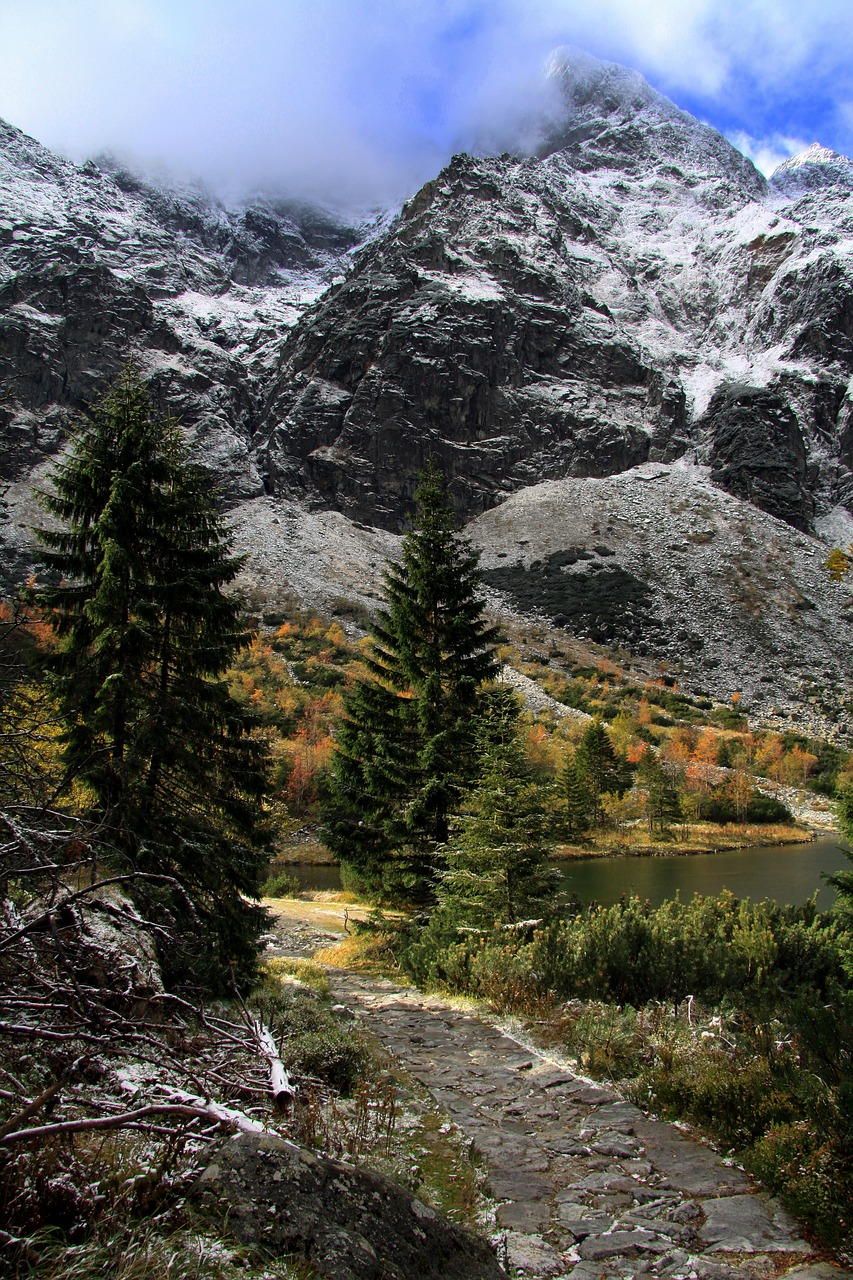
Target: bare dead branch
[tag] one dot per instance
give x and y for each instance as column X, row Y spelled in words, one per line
column 40, row 1132
column 31, row 1110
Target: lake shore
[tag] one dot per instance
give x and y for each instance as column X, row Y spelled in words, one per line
column 704, row 838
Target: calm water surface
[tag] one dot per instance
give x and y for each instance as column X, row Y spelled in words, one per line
column 789, row 873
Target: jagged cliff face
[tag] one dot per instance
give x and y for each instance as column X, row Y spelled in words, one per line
column 633, row 296
column 96, row 264
column 636, row 292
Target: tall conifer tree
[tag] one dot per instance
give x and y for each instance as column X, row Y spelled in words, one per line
column 497, row 870
column 140, row 563
column 406, row 747
column 575, row 796
column 596, row 764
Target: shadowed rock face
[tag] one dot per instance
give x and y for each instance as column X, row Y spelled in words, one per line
column 604, row 602
column 574, row 315
column 96, row 265
column 467, row 334
column 756, row 451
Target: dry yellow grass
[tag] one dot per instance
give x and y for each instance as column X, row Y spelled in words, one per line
column 703, row 837
column 367, row 952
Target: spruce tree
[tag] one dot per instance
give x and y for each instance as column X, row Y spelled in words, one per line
column 576, row 798
column 663, row 804
column 842, row 881
column 497, row 870
column 406, row 748
column 140, row 563
column 598, row 766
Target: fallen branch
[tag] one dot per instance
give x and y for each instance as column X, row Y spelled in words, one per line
column 216, row 1110
column 224, row 1116
column 283, row 1091
column 31, row 1109
column 41, row 920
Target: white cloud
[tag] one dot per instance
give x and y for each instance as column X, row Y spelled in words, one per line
column 768, row 153
column 364, row 99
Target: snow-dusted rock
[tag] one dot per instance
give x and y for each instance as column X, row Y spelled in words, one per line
column 613, row 300
column 96, row 264
column 629, row 319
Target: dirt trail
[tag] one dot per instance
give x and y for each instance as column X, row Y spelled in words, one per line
column 586, row 1185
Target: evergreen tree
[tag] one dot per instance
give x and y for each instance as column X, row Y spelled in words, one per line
column 140, row 564
column 842, row 881
column 497, row 871
column 663, row 804
column 599, row 768
column 576, row 798
column 406, row 748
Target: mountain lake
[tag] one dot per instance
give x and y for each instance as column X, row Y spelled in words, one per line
column 790, row 873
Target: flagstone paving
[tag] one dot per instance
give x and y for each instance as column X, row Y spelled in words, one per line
column 587, row 1186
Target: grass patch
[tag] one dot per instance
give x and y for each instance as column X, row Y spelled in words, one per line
column 307, row 972
column 702, row 837
column 364, row 950
column 142, row 1253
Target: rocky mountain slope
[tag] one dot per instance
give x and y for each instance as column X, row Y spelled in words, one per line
column 636, row 292
column 655, row 566
column 96, row 264
column 631, row 354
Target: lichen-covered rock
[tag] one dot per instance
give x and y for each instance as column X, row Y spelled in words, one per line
column 350, row 1223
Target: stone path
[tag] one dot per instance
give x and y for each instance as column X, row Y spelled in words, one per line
column 587, row 1186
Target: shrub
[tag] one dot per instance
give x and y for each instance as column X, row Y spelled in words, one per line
column 311, row 1040
column 812, row 1177
column 280, row 885
column 332, row 1055
column 719, row 806
column 631, row 953
column 767, row 809
column 290, row 1011
column 734, row 1096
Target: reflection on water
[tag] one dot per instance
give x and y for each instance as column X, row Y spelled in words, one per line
column 315, row 878
column 789, row 873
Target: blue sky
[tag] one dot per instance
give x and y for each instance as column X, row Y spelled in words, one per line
column 360, row 101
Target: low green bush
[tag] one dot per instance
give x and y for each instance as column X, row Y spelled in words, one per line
column 810, row 1174
column 719, row 806
column 311, row 1039
column 289, row 1011
column 280, row 885
column 631, row 953
column 733, row 1015
column 332, row 1055
column 737, row 1097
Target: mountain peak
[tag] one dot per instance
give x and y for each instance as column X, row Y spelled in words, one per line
column 816, row 166
column 607, row 87
column 612, row 118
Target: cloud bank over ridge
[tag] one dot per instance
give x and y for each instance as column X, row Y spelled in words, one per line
column 359, row 101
